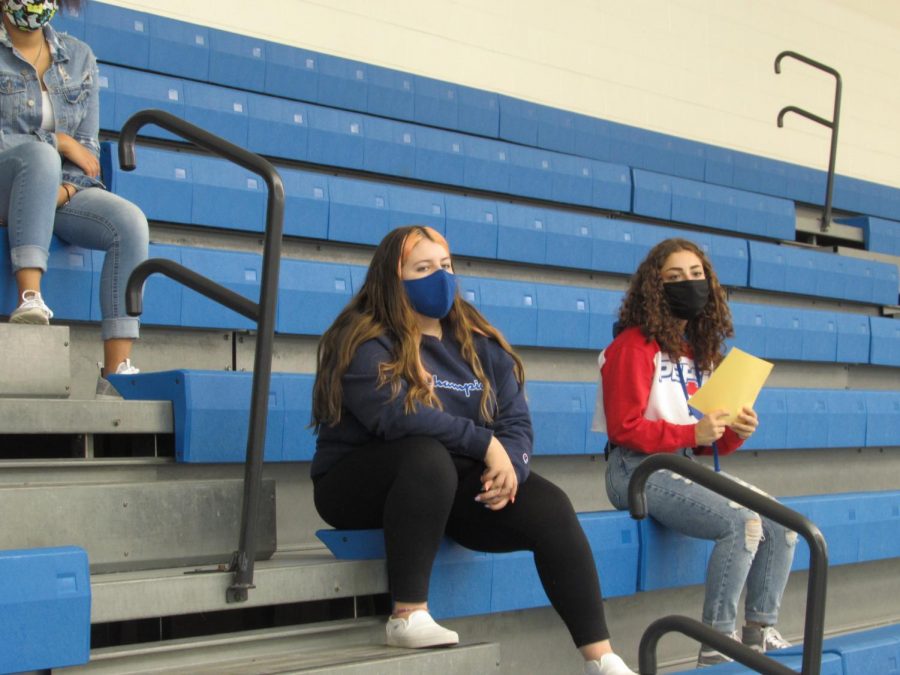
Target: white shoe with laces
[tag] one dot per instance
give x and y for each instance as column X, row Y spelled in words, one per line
column 105, row 390
column 418, row 631
column 608, row 664
column 763, row 639
column 32, row 310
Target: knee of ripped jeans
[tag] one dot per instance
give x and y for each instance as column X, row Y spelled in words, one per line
column 753, row 528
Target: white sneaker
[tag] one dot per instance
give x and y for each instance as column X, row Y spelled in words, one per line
column 609, row 664
column 764, row 639
column 105, row 390
column 32, row 310
column 417, row 631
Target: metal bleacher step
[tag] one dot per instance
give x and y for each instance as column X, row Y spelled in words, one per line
column 287, row 577
column 87, row 416
column 34, row 361
column 348, row 647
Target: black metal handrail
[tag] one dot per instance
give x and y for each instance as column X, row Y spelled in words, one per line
column 765, row 506
column 832, row 124
column 263, row 312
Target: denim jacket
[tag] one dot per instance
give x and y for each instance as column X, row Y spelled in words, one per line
column 72, row 84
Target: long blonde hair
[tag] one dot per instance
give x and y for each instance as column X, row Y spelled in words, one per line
column 381, row 307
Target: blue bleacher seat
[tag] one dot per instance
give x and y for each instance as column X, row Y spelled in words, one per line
column 478, row 112
column 853, row 336
column 750, row 330
column 299, row 442
column 411, row 206
column 227, row 195
column 830, row 664
column 771, row 406
column 161, row 183
column 210, row 411
column 390, row 147
column 342, row 83
column 106, row 84
column 436, row 103
column 563, row 317
column 808, row 413
column 882, row 418
column 179, row 48
column 237, row 60
column 604, row 306
column 846, row 419
column 652, row 194
column 310, row 296
column 486, row 165
column 592, row 137
column 240, row 272
column 359, row 211
column 277, row 127
column 471, row 226
column 556, row 130
column 614, row 248
column 595, row 441
column 768, row 266
column 440, row 156
column 69, row 20
column 290, row 72
column 135, row 91
column 573, row 180
column 689, row 202
column 220, row 110
column 669, row 559
column 721, row 209
column 118, row 35
column 512, row 308
column 730, row 258
column 559, row 415
column 819, row 336
column 518, row 121
column 531, row 172
column 45, row 620
column 306, row 203
column 522, row 234
column 336, row 138
column 570, row 238
column 718, row 166
column 390, row 94
column 885, row 345
column 880, row 235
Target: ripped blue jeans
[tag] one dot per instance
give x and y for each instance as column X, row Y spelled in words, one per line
column 748, row 549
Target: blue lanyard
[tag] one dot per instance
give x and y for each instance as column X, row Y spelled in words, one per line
column 693, row 412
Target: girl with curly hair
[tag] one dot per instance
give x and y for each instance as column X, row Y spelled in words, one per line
column 672, row 326
column 424, row 431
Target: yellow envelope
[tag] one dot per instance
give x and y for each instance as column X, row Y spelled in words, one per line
column 734, row 384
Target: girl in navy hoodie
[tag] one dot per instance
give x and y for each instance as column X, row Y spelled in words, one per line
column 423, row 430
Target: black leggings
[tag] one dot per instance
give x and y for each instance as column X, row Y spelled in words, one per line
column 417, row 491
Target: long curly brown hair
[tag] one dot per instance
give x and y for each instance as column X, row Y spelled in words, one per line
column 645, row 306
column 382, row 307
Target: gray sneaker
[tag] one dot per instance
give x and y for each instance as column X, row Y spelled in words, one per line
column 710, row 657
column 32, row 310
column 105, row 390
column 763, row 639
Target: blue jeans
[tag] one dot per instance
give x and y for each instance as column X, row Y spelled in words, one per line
column 94, row 218
column 748, row 549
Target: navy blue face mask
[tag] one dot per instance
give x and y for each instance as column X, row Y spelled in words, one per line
column 432, row 295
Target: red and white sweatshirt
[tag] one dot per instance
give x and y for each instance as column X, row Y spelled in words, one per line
column 640, row 401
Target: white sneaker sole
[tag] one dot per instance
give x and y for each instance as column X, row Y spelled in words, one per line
column 32, row 317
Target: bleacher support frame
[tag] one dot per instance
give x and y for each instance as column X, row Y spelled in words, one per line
column 263, row 312
column 814, row 625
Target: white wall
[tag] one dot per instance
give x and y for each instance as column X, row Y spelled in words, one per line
column 700, row 69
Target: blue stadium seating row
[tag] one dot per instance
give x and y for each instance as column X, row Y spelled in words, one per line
column 311, row 294
column 210, row 410
column 184, row 188
column 141, row 40
column 633, row 556
column 292, row 130
column 690, row 201
column 331, row 137
column 880, row 235
column 45, row 609
column 466, row 583
column 805, row 272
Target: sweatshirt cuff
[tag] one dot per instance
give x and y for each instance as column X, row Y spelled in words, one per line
column 481, row 439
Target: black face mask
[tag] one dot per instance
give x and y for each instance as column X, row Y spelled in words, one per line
column 687, row 298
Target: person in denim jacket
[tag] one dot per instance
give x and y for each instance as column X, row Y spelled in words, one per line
column 49, row 172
